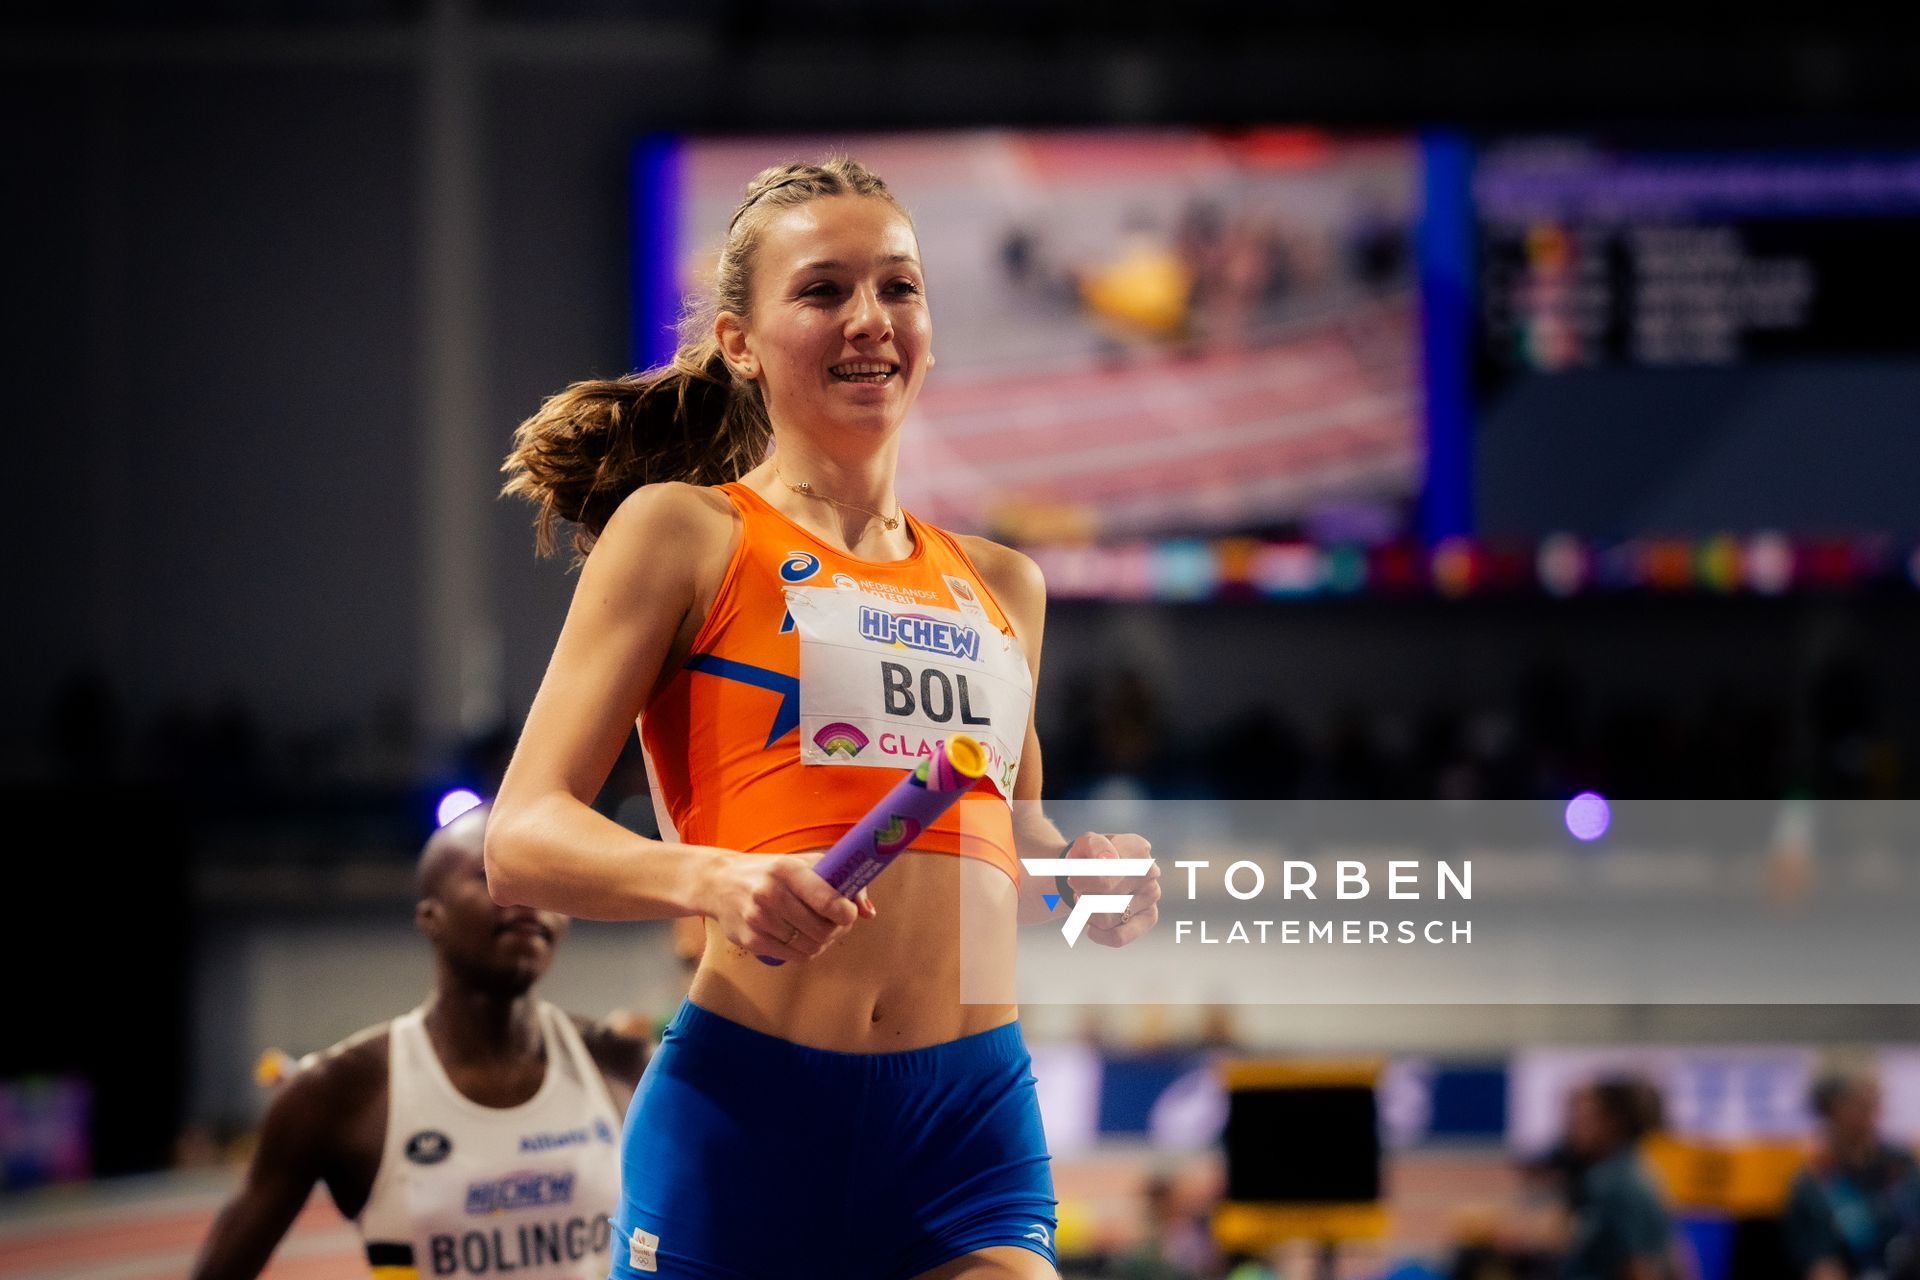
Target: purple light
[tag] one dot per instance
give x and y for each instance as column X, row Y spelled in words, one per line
column 1588, row 816
column 457, row 802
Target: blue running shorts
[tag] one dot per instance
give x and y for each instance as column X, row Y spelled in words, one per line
column 746, row 1157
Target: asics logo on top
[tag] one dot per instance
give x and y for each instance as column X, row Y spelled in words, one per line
column 1088, row 905
column 799, row 566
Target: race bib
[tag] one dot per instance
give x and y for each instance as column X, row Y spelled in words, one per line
column 882, row 683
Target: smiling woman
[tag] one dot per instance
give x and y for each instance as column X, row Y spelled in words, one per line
column 753, row 594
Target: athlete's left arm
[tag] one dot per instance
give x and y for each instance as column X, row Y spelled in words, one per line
column 1021, row 589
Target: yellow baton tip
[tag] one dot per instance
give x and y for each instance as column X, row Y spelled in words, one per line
column 966, row 755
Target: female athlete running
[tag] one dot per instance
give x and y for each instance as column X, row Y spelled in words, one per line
column 790, row 640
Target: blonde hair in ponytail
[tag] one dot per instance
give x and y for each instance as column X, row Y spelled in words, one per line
column 692, row 419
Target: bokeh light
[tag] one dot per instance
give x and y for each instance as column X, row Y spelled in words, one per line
column 1588, row 816
column 456, row 802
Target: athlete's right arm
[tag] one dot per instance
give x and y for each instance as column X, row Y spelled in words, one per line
column 291, row 1157
column 545, row 844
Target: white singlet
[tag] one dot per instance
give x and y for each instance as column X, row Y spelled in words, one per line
column 469, row 1190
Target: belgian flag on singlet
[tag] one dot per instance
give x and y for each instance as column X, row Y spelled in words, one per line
column 391, row 1261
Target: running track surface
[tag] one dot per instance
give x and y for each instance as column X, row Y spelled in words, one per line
column 1222, row 440
column 149, row 1228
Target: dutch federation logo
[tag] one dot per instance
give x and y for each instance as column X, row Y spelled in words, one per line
column 1088, row 904
column 840, row 739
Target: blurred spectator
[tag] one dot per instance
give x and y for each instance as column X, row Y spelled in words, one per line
column 1377, row 246
column 1177, row 1244
column 1854, row 1210
column 1621, row 1229
column 1853, row 757
column 1246, row 1267
column 1118, row 735
column 1141, row 292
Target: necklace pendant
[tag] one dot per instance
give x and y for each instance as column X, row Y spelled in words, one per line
column 893, row 522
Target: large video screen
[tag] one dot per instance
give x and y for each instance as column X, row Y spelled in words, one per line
column 1141, row 335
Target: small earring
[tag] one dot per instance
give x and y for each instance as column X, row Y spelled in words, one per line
column 930, row 360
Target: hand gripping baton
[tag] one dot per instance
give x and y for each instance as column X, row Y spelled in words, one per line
column 902, row 814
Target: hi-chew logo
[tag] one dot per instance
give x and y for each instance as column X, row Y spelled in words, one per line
column 520, row 1191
column 799, row 566
column 917, row 631
column 841, row 738
column 1088, row 905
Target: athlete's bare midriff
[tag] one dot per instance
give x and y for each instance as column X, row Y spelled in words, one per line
column 894, row 982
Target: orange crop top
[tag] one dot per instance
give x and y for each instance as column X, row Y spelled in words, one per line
column 819, row 678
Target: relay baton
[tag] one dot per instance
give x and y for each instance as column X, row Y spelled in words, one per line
column 902, row 814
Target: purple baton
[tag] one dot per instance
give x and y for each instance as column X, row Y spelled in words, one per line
column 902, row 814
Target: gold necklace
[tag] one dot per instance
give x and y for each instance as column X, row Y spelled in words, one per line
column 806, row 490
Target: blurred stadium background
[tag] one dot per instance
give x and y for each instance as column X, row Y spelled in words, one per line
column 1404, row 403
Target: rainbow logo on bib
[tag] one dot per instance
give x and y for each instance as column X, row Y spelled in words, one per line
column 840, row 738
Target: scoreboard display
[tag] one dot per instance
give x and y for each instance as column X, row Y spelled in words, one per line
column 1162, row 347
column 1667, row 341
column 1594, row 256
